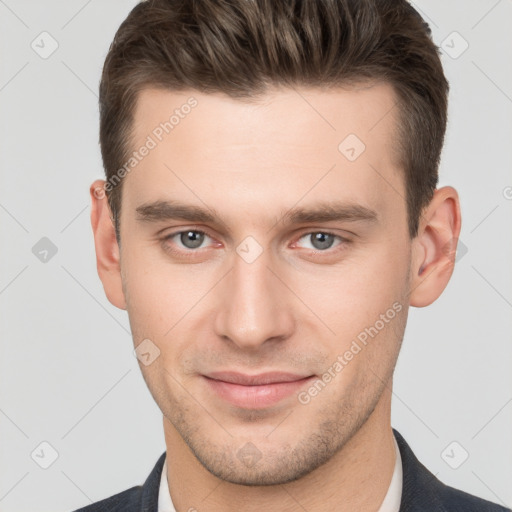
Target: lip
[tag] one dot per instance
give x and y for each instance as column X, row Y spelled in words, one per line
column 255, row 391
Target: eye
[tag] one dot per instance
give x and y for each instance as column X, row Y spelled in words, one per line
column 322, row 240
column 189, row 239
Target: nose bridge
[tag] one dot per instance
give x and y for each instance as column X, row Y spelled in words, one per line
column 254, row 307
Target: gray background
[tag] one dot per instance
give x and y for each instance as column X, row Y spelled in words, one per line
column 68, row 376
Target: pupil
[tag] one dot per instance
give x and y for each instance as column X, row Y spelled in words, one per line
column 192, row 239
column 322, row 240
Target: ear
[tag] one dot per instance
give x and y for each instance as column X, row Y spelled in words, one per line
column 107, row 249
column 433, row 249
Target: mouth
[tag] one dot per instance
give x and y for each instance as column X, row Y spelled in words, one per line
column 255, row 391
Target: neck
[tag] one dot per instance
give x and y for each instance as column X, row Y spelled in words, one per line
column 365, row 462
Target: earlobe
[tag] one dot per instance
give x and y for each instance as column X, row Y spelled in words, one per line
column 433, row 257
column 105, row 242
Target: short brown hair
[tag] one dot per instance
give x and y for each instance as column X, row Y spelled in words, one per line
column 242, row 47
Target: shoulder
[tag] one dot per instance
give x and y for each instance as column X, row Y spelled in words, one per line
column 421, row 490
column 137, row 498
column 126, row 501
column 455, row 500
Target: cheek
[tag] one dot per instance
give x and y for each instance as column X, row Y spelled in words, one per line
column 166, row 305
column 352, row 296
column 158, row 294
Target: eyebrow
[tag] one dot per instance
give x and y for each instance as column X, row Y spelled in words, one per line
column 324, row 212
column 170, row 210
column 328, row 212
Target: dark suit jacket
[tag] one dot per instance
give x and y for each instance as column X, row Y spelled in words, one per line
column 422, row 492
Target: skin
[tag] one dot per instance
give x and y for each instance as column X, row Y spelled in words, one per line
column 293, row 309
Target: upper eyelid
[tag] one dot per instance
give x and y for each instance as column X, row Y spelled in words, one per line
column 324, row 231
column 195, row 230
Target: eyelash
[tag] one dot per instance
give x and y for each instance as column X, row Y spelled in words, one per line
column 190, row 253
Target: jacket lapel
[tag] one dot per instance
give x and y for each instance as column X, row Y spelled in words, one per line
column 419, row 484
column 149, row 495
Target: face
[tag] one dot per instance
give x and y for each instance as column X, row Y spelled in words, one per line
column 265, row 254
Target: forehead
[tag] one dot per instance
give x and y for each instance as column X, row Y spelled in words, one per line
column 274, row 149
column 279, row 116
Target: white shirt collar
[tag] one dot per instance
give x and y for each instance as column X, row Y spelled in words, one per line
column 164, row 496
column 391, row 501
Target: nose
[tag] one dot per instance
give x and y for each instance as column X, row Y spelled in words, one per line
column 253, row 305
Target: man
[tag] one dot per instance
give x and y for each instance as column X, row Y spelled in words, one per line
column 269, row 215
